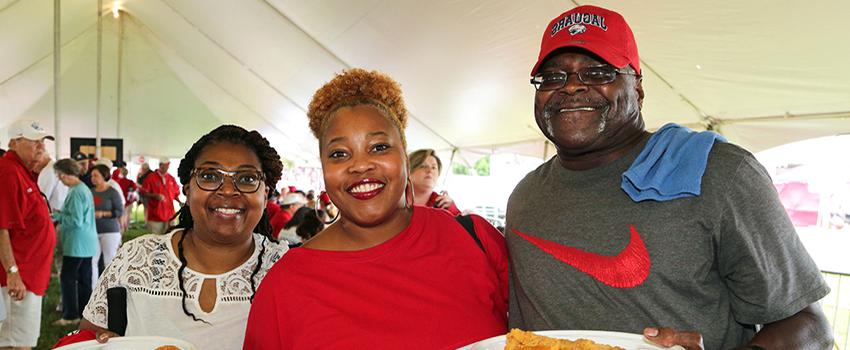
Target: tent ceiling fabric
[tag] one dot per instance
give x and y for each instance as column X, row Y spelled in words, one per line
column 762, row 73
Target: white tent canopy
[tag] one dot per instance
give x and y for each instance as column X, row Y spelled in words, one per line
column 763, row 73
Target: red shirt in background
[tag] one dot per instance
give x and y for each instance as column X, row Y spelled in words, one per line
column 156, row 210
column 272, row 209
column 429, row 287
column 24, row 212
column 279, row 221
column 432, row 202
column 127, row 185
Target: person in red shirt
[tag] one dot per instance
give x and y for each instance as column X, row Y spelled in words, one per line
column 386, row 273
column 128, row 187
column 272, row 208
column 27, row 236
column 161, row 190
column 291, row 202
column 425, row 168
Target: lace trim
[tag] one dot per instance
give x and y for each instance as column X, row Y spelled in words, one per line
column 148, row 265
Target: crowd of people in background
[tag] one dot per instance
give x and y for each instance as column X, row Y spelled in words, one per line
column 89, row 203
column 674, row 234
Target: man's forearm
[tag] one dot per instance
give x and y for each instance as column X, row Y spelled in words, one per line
column 7, row 257
column 807, row 329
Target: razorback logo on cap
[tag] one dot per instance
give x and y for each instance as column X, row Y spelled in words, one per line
column 36, row 126
column 576, row 21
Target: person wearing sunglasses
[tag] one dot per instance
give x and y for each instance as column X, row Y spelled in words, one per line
column 675, row 234
column 386, row 274
column 196, row 283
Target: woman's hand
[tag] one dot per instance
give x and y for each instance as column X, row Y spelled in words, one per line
column 104, row 335
column 443, row 200
column 665, row 336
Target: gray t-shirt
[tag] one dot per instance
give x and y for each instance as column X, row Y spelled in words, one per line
column 109, row 200
column 585, row 256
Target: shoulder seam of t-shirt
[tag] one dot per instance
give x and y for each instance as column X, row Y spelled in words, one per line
column 727, row 184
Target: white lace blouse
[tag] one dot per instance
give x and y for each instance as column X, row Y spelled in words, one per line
column 147, row 268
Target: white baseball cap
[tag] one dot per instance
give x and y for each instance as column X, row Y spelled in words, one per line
column 104, row 161
column 28, row 129
column 292, row 198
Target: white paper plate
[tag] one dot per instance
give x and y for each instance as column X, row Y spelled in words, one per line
column 129, row 343
column 627, row 341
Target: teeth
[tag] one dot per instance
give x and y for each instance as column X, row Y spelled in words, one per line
column 228, row 211
column 587, row 109
column 367, row 187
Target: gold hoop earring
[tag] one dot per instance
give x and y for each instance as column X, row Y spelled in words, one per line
column 408, row 195
column 316, row 210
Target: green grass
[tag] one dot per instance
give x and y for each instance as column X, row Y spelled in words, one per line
column 50, row 333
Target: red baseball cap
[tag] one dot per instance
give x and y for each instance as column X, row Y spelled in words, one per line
column 600, row 31
column 325, row 198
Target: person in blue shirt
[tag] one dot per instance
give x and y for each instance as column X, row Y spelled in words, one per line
column 78, row 234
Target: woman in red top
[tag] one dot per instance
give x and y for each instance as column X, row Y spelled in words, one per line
column 386, row 274
column 425, row 168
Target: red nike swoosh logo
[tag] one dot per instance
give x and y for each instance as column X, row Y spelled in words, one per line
column 627, row 269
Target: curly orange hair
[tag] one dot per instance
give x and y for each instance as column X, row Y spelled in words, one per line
column 355, row 87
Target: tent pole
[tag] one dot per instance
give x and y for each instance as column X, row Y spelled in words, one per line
column 120, row 68
column 99, row 73
column 57, row 71
column 449, row 167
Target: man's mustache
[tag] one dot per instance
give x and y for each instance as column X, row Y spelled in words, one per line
column 554, row 105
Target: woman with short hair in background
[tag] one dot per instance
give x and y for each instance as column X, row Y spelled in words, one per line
column 78, row 235
column 425, row 169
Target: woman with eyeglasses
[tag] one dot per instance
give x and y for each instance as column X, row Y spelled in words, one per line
column 386, row 274
column 196, row 283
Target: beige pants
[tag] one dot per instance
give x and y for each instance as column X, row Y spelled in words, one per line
column 23, row 320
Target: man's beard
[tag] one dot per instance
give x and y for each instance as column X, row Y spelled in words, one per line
column 603, row 118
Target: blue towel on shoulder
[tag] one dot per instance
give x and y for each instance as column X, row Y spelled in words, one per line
column 671, row 164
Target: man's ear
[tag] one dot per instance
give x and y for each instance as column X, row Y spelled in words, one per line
column 639, row 89
column 186, row 191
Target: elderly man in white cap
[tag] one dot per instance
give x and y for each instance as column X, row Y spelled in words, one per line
column 27, row 237
column 160, row 189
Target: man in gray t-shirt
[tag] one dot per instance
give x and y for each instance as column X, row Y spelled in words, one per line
column 701, row 269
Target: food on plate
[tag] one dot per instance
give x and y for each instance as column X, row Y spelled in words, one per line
column 167, row 347
column 522, row 340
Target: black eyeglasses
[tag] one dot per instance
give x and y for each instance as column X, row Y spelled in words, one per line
column 597, row 75
column 244, row 181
